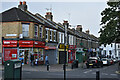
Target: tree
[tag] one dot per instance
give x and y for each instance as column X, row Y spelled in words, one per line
column 110, row 22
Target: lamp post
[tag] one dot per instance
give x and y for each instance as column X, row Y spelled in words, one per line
column 65, row 44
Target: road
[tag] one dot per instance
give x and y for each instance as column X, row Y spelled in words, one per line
column 107, row 72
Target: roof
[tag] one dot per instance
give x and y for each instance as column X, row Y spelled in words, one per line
column 16, row 14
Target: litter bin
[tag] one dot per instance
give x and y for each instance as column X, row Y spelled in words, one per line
column 75, row 64
column 12, row 70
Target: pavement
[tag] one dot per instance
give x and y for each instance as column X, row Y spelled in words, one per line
column 52, row 68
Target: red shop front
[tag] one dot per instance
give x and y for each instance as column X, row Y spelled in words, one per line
column 9, row 50
column 27, row 48
column 22, row 49
column 71, row 53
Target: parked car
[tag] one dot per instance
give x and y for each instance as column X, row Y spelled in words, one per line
column 105, row 61
column 115, row 60
column 94, row 61
column 111, row 61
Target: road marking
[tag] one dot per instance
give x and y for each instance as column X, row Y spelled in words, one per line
column 87, row 71
column 104, row 74
column 94, row 73
column 113, row 74
column 105, row 68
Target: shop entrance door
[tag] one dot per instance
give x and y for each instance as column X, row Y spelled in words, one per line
column 24, row 55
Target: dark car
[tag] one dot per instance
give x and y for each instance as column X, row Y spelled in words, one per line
column 94, row 61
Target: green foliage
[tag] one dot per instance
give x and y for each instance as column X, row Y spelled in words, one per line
column 110, row 21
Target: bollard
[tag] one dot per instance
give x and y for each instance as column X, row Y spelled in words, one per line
column 63, row 67
column 72, row 66
column 47, row 67
column 97, row 75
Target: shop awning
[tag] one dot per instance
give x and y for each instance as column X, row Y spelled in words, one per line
column 49, row 47
column 80, row 51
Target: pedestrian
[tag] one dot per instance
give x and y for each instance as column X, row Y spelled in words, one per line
column 32, row 59
column 46, row 60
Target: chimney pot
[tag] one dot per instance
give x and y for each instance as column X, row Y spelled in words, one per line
column 20, row 3
column 24, row 2
column 65, row 21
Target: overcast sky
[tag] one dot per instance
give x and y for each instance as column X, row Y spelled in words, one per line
column 85, row 13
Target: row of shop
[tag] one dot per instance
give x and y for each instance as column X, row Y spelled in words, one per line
column 22, row 50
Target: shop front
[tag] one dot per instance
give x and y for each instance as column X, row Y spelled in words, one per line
column 9, row 50
column 22, row 50
column 39, row 52
column 51, row 50
column 61, row 53
column 71, row 53
column 28, row 48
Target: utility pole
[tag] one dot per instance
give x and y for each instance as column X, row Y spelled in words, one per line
column 65, row 44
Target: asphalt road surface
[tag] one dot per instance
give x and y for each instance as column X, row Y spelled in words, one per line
column 106, row 73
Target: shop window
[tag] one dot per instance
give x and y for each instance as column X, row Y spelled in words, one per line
column 50, row 35
column 54, row 35
column 40, row 31
column 36, row 30
column 25, row 30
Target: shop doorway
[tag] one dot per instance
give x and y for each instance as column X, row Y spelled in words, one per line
column 24, row 56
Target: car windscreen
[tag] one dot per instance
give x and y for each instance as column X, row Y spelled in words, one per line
column 104, row 59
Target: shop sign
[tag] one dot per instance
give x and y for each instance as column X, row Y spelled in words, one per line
column 11, row 34
column 61, row 46
column 72, row 47
column 39, row 44
column 10, row 54
column 79, row 49
column 25, row 43
column 9, row 43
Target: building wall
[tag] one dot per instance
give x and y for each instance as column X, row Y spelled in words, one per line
column 11, row 28
column 0, row 37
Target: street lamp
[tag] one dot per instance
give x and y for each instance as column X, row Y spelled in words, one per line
column 65, row 44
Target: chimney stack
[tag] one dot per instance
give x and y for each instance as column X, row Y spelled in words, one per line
column 66, row 23
column 79, row 28
column 22, row 5
column 87, row 31
column 49, row 16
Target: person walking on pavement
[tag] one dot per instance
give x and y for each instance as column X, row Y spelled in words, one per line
column 46, row 60
column 32, row 59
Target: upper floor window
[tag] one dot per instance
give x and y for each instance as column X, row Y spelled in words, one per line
column 50, row 34
column 62, row 38
column 46, row 33
column 25, row 30
column 118, row 46
column 40, row 31
column 59, row 37
column 111, row 45
column 36, row 30
column 54, row 35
